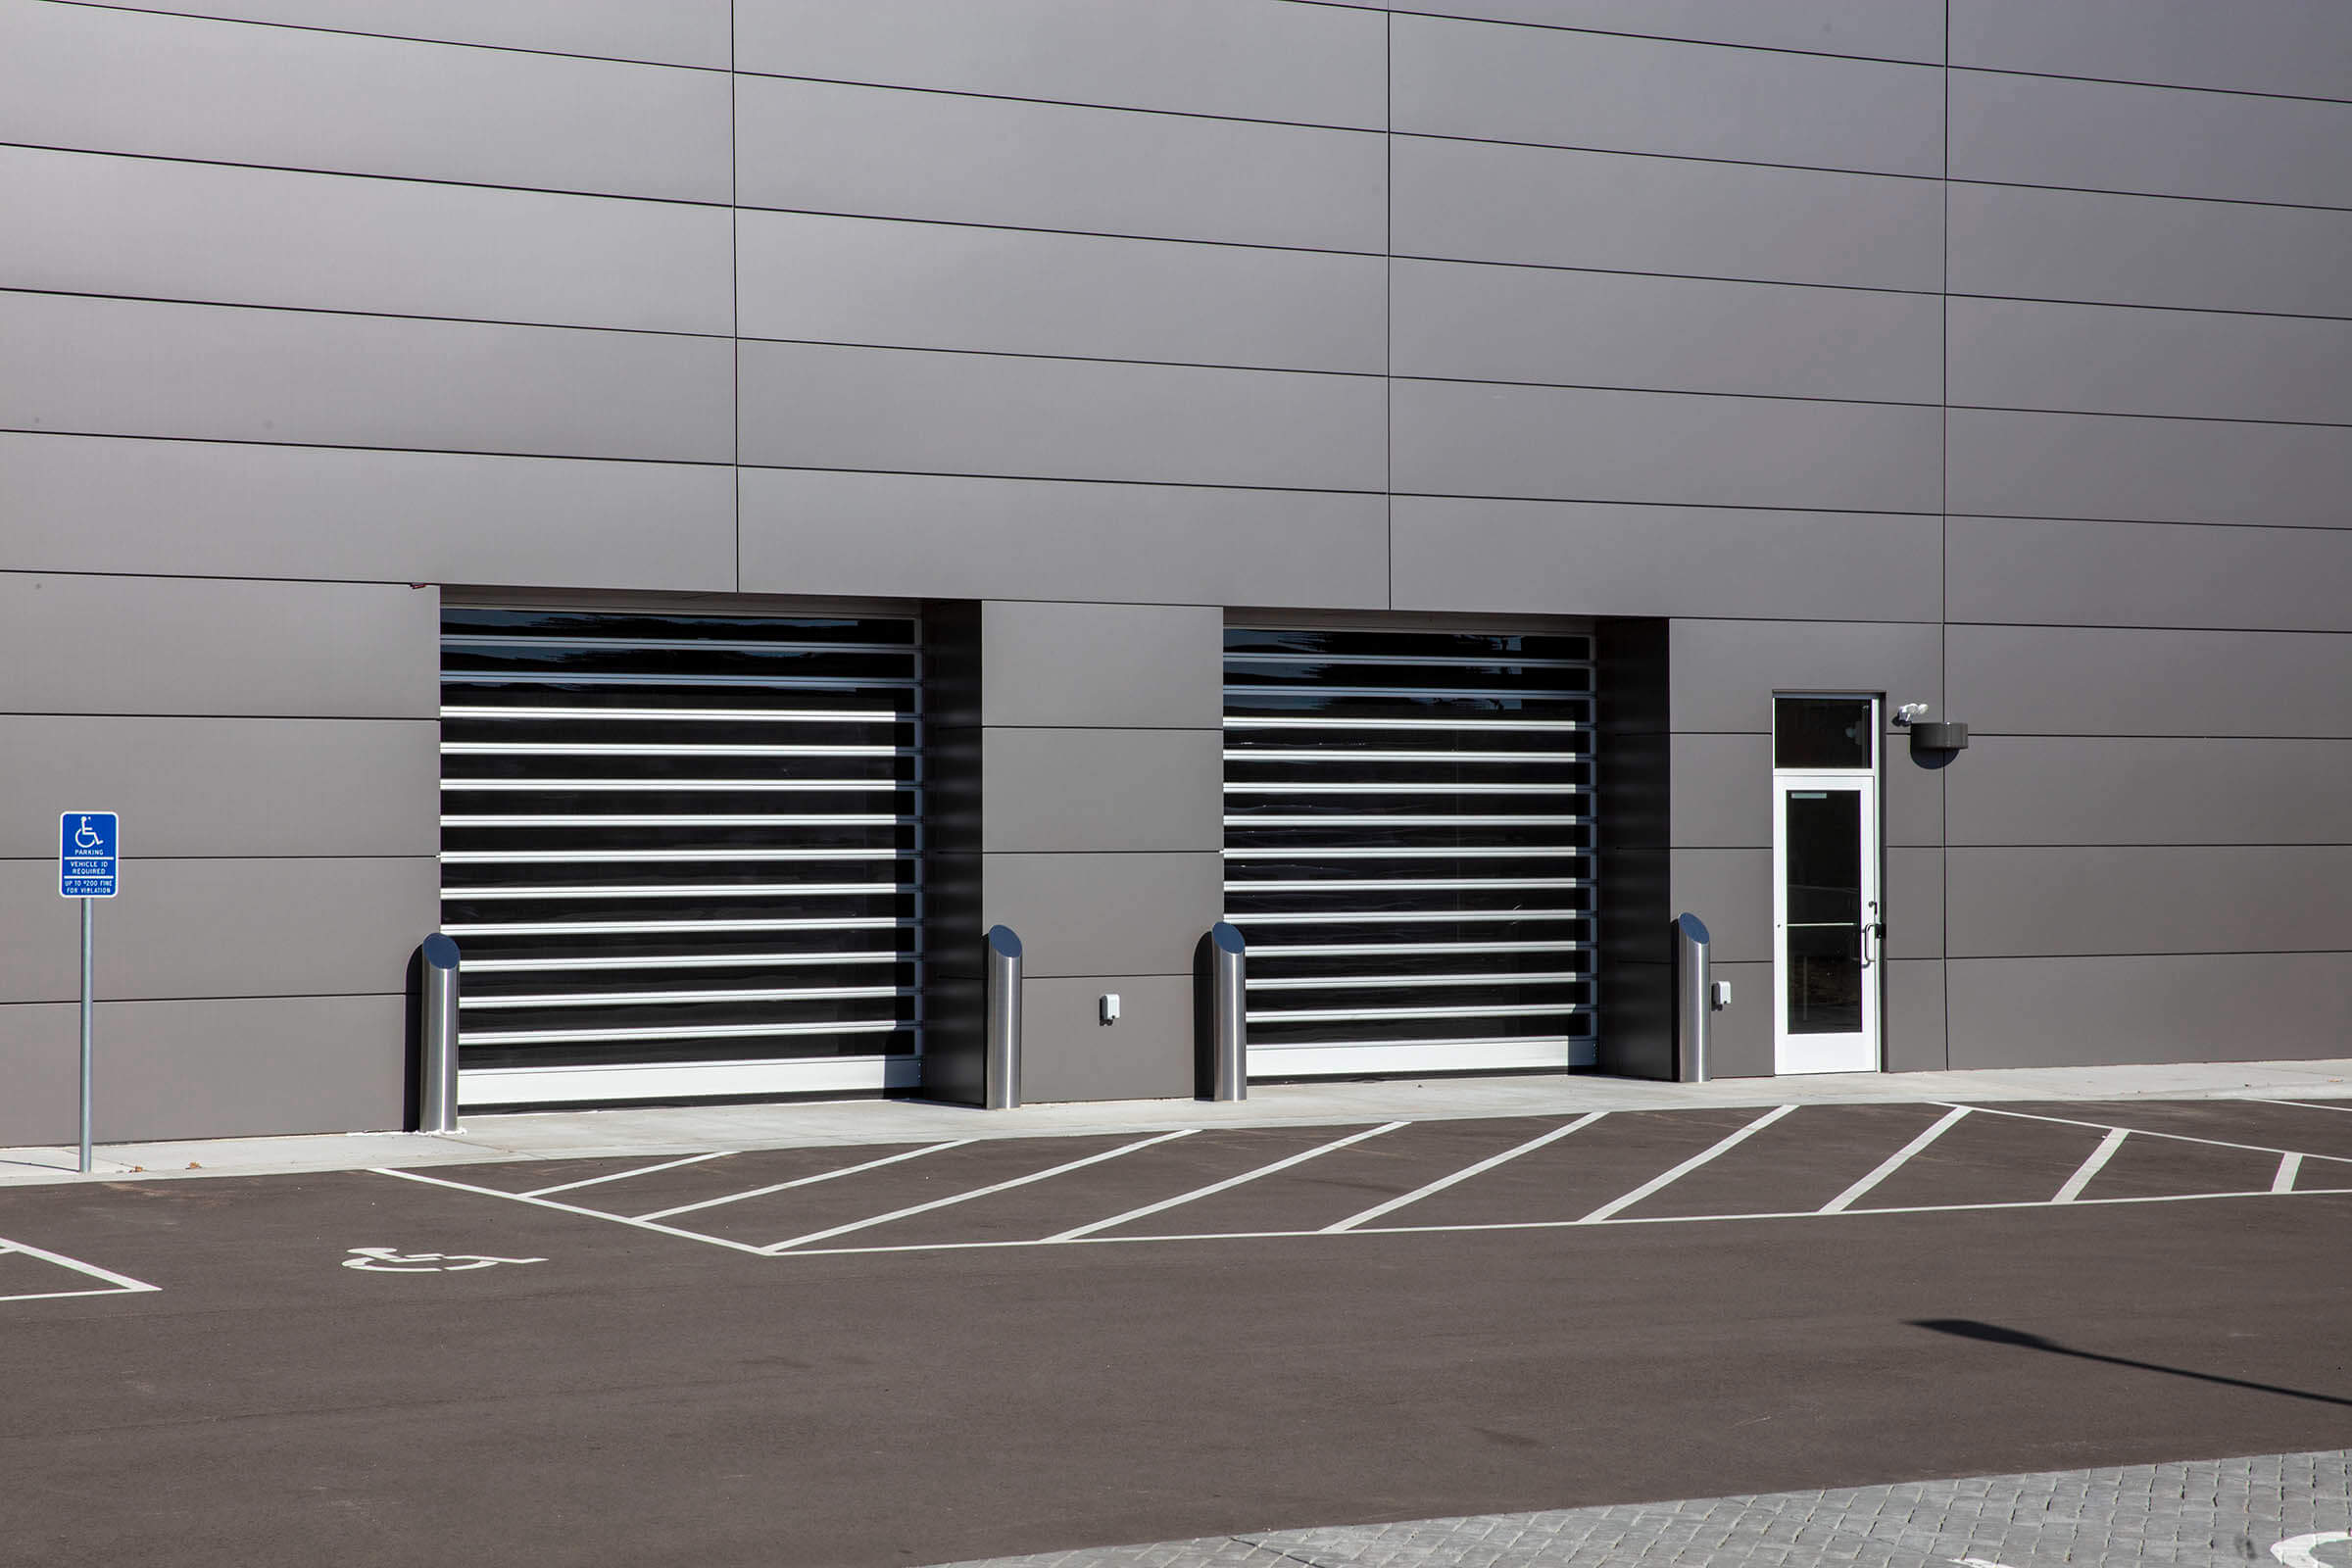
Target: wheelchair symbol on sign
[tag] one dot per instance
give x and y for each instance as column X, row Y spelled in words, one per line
column 387, row 1260
column 87, row 838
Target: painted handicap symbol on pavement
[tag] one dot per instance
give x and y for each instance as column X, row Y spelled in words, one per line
column 388, row 1261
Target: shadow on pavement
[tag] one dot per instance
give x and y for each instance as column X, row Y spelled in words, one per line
column 1994, row 1334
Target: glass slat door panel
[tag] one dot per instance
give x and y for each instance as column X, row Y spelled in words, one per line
column 680, row 852
column 1408, row 848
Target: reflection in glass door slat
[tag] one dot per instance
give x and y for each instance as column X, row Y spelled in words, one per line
column 1408, row 848
column 680, row 852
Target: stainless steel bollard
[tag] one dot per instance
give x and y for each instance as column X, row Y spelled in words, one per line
column 1229, row 1016
column 1693, row 999
column 1003, row 1065
column 437, row 1062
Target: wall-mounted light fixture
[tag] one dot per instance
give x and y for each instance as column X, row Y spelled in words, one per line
column 1932, row 741
column 1938, row 735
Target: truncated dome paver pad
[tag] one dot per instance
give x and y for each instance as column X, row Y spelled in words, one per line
column 2211, row 1513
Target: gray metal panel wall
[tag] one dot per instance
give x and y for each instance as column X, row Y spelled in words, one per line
column 1077, row 763
column 1107, row 318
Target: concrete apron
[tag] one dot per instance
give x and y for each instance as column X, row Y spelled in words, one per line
column 694, row 1129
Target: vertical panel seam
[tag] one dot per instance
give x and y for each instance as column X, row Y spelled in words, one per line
column 735, row 282
column 1943, row 562
column 1387, row 343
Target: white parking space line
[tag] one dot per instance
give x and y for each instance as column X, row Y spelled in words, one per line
column 571, row 1208
column 1892, row 1164
column 116, row 1284
column 2308, row 1104
column 977, row 1191
column 1382, row 1219
column 2147, row 1132
column 623, row 1175
column 1658, row 1184
column 1464, row 1174
column 2091, row 1167
column 805, row 1181
column 1557, row 1224
column 1228, row 1183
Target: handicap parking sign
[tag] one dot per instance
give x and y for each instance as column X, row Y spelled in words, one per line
column 88, row 845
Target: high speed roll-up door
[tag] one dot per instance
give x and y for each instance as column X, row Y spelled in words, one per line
column 680, row 853
column 1408, row 848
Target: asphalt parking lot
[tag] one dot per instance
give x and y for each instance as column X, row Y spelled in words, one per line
column 924, row 1353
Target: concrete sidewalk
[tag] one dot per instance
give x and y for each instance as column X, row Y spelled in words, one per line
column 2283, row 1508
column 673, row 1130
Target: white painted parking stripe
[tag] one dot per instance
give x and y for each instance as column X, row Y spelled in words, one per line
column 2289, row 1166
column 1228, row 1183
column 571, row 1208
column 2146, row 1132
column 805, row 1181
column 1658, row 1184
column 1463, row 1175
column 977, row 1191
column 1565, row 1224
column 622, row 1175
column 1892, row 1164
column 2091, row 1167
column 119, row 1283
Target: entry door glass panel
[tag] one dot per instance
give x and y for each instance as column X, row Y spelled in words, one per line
column 680, row 852
column 1822, row 831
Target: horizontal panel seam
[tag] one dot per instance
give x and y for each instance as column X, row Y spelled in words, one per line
column 2153, row 87
column 360, row 173
column 2148, row 952
column 753, row 206
column 357, row 446
column 255, row 718
column 358, row 313
column 1679, row 158
column 1065, row 103
column 1353, row 375
column 1095, row 974
column 2149, row 522
column 1667, row 273
column 1981, row 734
column 333, row 718
column 1671, row 392
column 418, row 857
column 2160, row 625
column 1073, row 359
column 2153, row 195
column 2233, row 631
column 1957, row 846
column 362, row 314
column 223, row 996
column 2134, row 414
column 989, row 852
column 2136, row 304
column 1653, row 37
column 394, row 37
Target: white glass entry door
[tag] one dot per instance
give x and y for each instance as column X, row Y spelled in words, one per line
column 1826, row 922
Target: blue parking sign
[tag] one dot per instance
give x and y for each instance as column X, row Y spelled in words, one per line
column 89, row 852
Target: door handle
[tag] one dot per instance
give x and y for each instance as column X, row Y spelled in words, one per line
column 1873, row 930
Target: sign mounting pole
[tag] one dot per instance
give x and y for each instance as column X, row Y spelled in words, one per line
column 87, row 905
column 89, row 853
